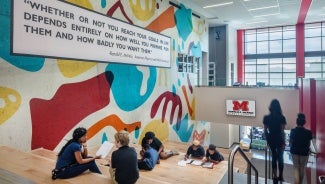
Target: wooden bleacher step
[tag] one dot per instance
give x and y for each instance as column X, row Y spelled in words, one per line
column 38, row 168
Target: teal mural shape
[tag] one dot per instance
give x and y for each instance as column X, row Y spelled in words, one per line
column 104, row 138
column 184, row 133
column 195, row 50
column 183, row 20
column 127, row 85
column 103, row 3
column 31, row 64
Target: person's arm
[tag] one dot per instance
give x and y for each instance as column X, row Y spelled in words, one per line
column 266, row 131
column 84, row 152
column 188, row 152
column 81, row 160
column 161, row 148
column 283, row 133
column 206, row 158
column 214, row 161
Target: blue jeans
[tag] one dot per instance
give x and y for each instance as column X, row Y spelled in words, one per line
column 277, row 157
column 77, row 169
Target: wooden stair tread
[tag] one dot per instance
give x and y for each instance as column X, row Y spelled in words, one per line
column 38, row 169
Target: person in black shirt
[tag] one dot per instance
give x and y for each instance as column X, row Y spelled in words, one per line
column 212, row 155
column 156, row 144
column 124, row 161
column 299, row 147
column 274, row 124
column 195, row 150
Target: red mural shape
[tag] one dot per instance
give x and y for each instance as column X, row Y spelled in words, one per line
column 52, row 119
column 190, row 110
column 117, row 5
column 199, row 136
column 176, row 102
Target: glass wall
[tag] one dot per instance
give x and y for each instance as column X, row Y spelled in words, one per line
column 315, row 50
column 270, row 56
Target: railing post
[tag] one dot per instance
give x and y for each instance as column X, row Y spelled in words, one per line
column 249, row 166
column 249, row 173
column 266, row 165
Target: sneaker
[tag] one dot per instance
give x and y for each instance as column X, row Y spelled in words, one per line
column 54, row 172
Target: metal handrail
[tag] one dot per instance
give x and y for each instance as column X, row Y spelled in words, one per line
column 267, row 164
column 249, row 166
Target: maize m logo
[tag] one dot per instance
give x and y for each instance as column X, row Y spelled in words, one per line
column 240, row 108
column 240, row 105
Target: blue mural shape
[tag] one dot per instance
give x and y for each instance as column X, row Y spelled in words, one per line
column 31, row 64
column 183, row 20
column 127, row 85
column 183, row 132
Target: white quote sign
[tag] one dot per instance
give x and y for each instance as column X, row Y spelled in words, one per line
column 58, row 29
column 240, row 108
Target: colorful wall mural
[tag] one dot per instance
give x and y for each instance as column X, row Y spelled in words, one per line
column 43, row 99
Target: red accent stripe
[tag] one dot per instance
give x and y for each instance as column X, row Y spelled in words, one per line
column 240, row 56
column 300, row 50
column 304, row 7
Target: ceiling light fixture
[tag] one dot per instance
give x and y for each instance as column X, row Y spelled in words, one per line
column 261, row 8
column 256, row 22
column 266, row 15
column 221, row 4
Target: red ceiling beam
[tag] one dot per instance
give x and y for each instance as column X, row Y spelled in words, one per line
column 304, row 7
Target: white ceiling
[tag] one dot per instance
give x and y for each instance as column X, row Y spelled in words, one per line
column 240, row 15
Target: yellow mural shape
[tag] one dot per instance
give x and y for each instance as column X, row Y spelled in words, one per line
column 10, row 101
column 200, row 30
column 159, row 128
column 193, row 108
column 162, row 72
column 143, row 14
column 72, row 68
column 83, row 3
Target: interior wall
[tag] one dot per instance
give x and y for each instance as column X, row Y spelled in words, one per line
column 231, row 54
column 42, row 100
column 320, row 127
column 217, row 53
column 211, row 104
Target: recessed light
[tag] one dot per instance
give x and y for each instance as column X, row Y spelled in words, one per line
column 221, row 4
column 256, row 22
column 266, row 15
column 261, row 8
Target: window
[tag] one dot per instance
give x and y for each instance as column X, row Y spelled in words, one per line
column 274, row 50
column 315, row 50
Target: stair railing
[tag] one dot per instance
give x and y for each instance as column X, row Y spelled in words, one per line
column 267, row 164
column 249, row 166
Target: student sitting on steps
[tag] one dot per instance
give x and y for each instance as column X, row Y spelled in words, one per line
column 195, row 151
column 149, row 159
column 212, row 155
column 73, row 158
column 156, row 144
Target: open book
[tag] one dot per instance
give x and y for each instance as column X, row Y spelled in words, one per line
column 196, row 162
column 104, row 149
column 208, row 165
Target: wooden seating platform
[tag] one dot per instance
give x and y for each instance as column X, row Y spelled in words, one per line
column 36, row 167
